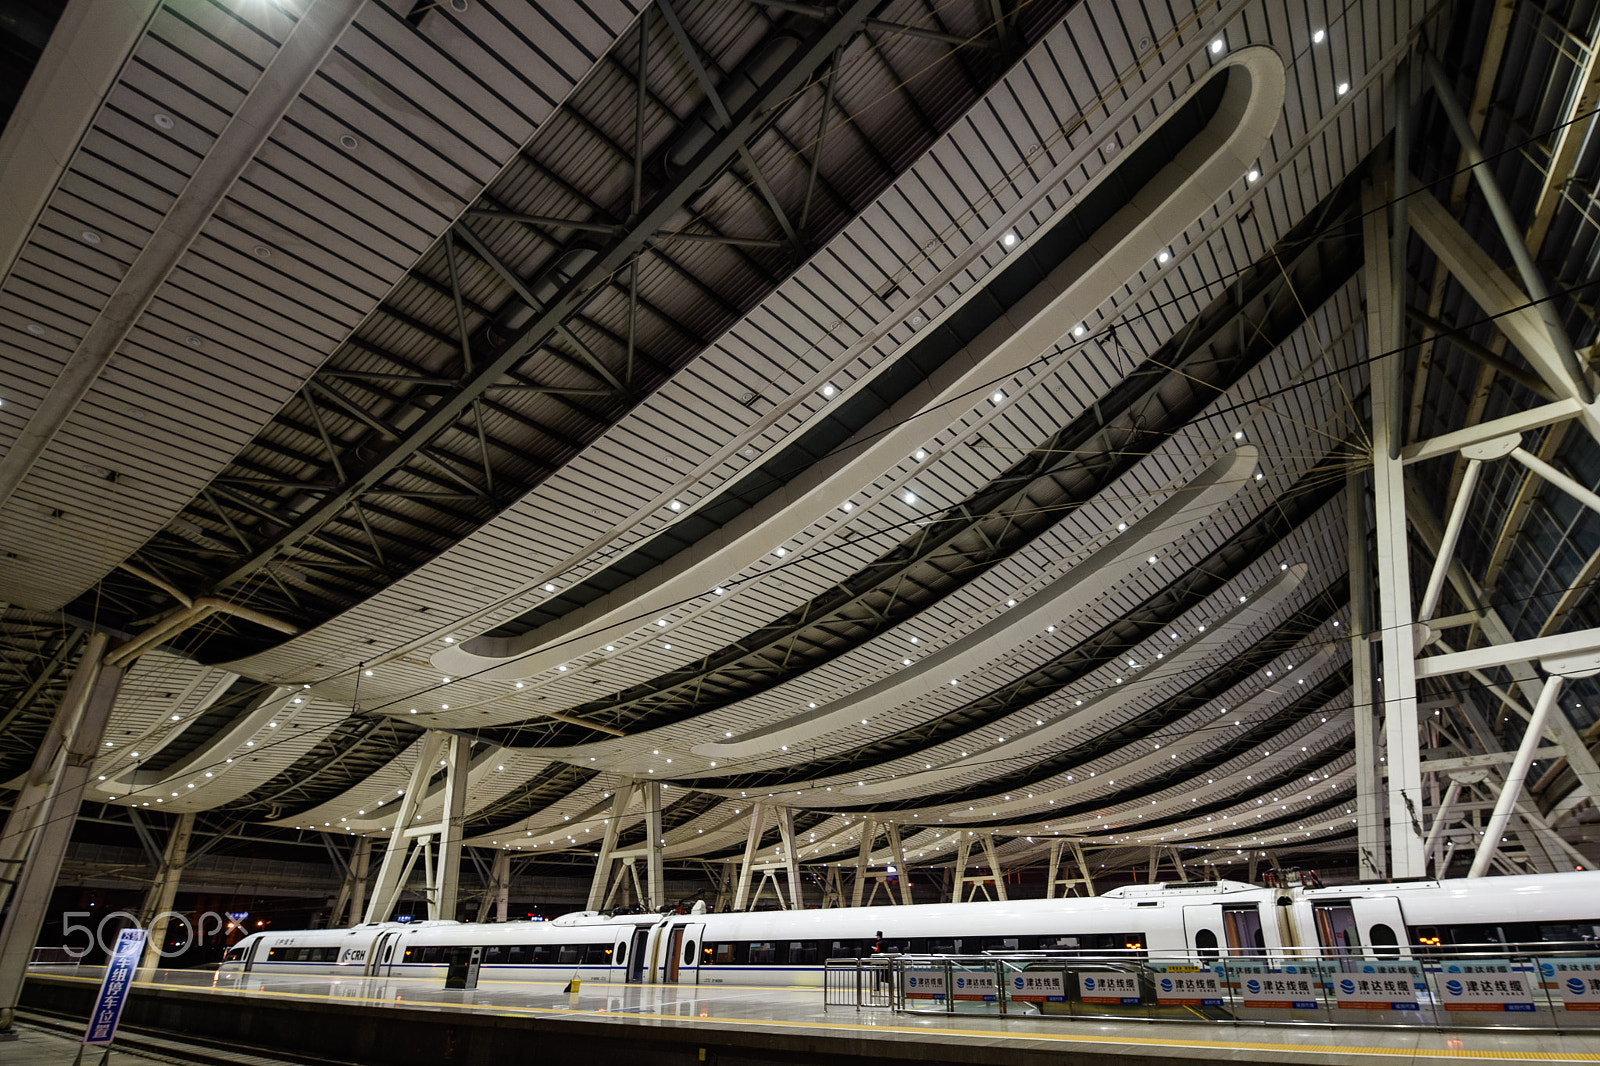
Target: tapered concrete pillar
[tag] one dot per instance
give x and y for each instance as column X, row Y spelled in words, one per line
column 400, row 855
column 752, row 841
column 657, row 845
column 158, row 901
column 37, row 876
column 869, row 830
column 791, row 857
column 600, row 886
column 360, row 863
column 27, row 809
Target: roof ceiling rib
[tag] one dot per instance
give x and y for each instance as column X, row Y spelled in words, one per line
column 503, row 324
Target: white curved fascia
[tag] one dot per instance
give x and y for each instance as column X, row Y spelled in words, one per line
column 131, row 778
column 1181, row 656
column 1107, row 567
column 1126, row 244
column 1124, row 815
column 1109, row 701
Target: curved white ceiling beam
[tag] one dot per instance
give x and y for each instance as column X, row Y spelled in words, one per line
column 1000, row 635
column 1113, row 699
column 1126, row 244
column 1208, row 640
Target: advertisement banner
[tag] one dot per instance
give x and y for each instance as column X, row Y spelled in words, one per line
column 1109, row 986
column 1279, row 991
column 1360, row 990
column 1038, row 986
column 114, row 988
column 976, row 986
column 1189, row 990
column 1484, row 987
column 925, row 984
column 1554, row 973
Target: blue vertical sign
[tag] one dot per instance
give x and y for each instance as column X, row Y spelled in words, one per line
column 114, row 989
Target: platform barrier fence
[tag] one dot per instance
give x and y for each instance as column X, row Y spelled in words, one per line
column 1461, row 990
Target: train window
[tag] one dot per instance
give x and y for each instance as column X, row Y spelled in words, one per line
column 944, row 945
column 722, row 954
column 1205, row 942
column 622, row 953
column 597, row 955
column 1383, row 939
column 803, row 953
column 688, row 952
column 493, row 955
column 233, row 955
column 763, row 953
column 567, row 953
column 388, row 949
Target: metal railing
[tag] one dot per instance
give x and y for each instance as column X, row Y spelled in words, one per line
column 1391, row 988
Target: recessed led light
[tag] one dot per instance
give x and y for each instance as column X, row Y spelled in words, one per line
column 261, row 251
column 1009, row 240
column 781, row 552
column 162, row 121
column 1078, row 330
column 91, row 237
column 676, row 505
column 847, row 507
column 349, row 143
column 1344, row 87
column 1317, row 36
column 1252, row 175
column 909, row 496
column 1163, row 256
column 829, row 392
column 1216, row 46
column 998, row 398
column 35, row 328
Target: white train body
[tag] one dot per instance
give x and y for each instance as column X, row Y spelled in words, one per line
column 1174, row 920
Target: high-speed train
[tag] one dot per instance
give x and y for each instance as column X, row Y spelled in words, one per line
column 1195, row 919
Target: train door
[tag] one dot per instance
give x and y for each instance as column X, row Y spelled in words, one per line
column 382, row 953
column 1235, row 929
column 674, row 947
column 689, row 954
column 1202, row 927
column 636, row 954
column 1381, row 925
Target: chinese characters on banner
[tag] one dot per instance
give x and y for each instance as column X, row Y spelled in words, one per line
column 1109, row 986
column 1576, row 980
column 114, row 988
column 978, row 986
column 1280, row 991
column 925, row 984
column 1036, row 986
column 1359, row 990
column 1484, row 986
column 1189, row 990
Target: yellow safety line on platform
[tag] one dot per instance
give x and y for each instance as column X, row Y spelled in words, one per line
column 985, row 1034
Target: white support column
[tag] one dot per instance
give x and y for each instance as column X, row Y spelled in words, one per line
column 791, row 856
column 163, row 890
column 1515, row 776
column 902, row 871
column 656, row 869
column 958, row 883
column 1055, row 866
column 458, row 763
column 500, row 884
column 30, row 898
column 994, row 866
column 1083, row 866
column 28, row 807
column 360, row 867
column 869, row 831
column 752, row 842
column 1441, row 818
column 399, row 855
column 620, row 799
column 1371, row 855
column 429, row 878
column 1398, row 689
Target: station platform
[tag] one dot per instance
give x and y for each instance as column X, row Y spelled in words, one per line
column 414, row 1021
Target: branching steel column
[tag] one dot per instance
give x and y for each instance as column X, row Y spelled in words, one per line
column 31, row 896
column 1515, row 776
column 994, row 866
column 392, row 871
column 758, row 820
column 164, row 891
column 451, row 827
column 1371, row 855
column 1399, row 685
column 657, row 846
column 608, row 846
column 28, row 808
column 869, row 829
column 791, row 856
